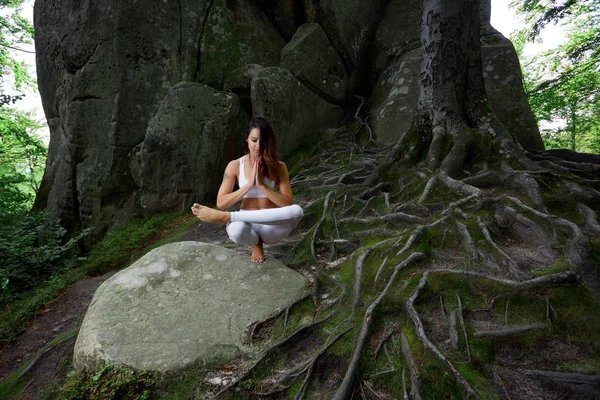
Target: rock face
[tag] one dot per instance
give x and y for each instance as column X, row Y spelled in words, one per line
column 233, row 38
column 194, row 133
column 295, row 112
column 315, row 63
column 503, row 80
column 395, row 97
column 182, row 304
column 106, row 69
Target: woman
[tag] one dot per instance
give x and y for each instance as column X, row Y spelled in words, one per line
column 266, row 215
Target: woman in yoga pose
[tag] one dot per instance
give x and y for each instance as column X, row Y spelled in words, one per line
column 266, row 215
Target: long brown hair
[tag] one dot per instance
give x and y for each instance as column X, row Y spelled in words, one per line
column 268, row 147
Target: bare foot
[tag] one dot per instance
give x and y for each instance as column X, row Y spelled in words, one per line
column 210, row 215
column 258, row 255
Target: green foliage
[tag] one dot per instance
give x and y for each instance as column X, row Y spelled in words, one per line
column 564, row 83
column 22, row 159
column 126, row 243
column 32, row 250
column 107, row 383
column 15, row 31
column 22, row 154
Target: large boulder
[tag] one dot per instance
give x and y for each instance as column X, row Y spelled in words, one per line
column 295, row 112
column 239, row 81
column 399, row 31
column 312, row 59
column 236, row 37
column 504, row 86
column 283, row 14
column 103, row 67
column 182, row 304
column 394, row 99
column 182, row 158
column 350, row 26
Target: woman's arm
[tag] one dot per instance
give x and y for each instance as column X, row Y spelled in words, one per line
column 226, row 196
column 284, row 197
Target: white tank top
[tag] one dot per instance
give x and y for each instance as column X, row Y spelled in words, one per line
column 255, row 191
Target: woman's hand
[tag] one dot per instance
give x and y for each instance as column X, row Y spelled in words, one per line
column 254, row 174
column 259, row 178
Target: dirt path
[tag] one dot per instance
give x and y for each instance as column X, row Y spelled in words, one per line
column 61, row 316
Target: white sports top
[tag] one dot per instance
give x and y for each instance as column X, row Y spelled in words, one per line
column 254, row 191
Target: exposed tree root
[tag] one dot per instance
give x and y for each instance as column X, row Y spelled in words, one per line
column 411, row 240
column 468, row 241
column 427, row 189
column 452, row 330
column 252, row 327
column 387, row 333
column 394, row 217
column 558, row 278
column 313, row 241
column 372, row 190
column 305, row 368
column 519, row 330
column 358, row 266
column 415, row 377
column 591, row 219
column 251, row 369
column 378, row 274
column 550, row 312
column 420, row 331
column 512, row 266
column 464, row 327
column 345, row 387
column 568, row 377
column 580, row 252
column 460, row 186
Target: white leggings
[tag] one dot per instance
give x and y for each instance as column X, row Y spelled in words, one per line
column 271, row 224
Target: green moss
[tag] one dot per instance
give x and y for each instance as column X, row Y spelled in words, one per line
column 559, row 266
column 126, row 243
column 107, row 383
column 595, row 250
column 577, row 315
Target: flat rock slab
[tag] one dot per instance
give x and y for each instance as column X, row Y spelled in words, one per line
column 182, row 304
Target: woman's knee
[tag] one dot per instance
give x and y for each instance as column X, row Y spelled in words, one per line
column 241, row 233
column 296, row 211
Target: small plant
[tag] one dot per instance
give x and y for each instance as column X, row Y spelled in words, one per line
column 33, row 249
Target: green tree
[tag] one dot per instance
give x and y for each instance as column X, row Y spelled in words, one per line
column 564, row 83
column 22, row 154
column 15, row 30
column 22, row 159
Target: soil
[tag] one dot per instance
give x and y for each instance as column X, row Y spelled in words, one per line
column 61, row 316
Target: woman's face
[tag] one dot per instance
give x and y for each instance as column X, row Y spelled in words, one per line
column 254, row 142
